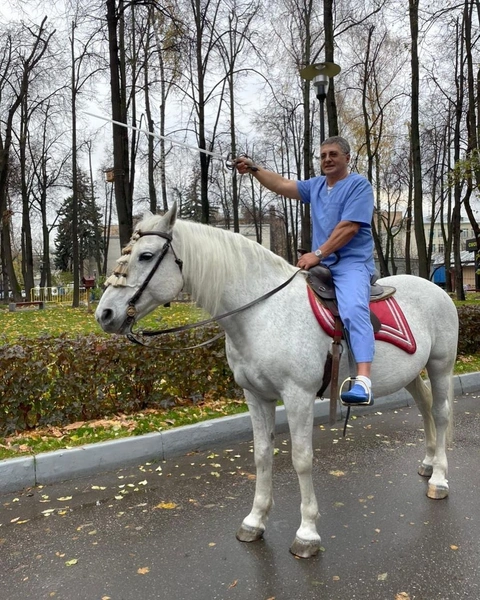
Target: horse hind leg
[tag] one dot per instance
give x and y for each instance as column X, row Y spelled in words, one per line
column 434, row 400
column 262, row 414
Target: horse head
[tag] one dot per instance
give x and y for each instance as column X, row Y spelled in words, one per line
column 147, row 274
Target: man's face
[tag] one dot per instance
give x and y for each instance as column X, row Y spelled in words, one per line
column 333, row 161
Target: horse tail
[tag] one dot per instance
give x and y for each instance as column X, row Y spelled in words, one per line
column 451, row 398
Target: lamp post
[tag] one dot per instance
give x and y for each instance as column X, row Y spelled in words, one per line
column 319, row 74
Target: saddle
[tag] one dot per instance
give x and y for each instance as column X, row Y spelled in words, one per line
column 320, row 280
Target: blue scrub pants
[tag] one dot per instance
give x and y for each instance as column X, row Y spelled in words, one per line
column 352, row 286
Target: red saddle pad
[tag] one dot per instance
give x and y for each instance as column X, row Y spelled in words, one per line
column 394, row 329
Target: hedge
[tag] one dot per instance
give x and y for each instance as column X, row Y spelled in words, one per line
column 469, row 329
column 60, row 380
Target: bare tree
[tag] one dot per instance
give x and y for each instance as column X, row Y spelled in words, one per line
column 18, row 63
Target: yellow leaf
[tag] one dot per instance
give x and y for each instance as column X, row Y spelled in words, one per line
column 337, row 473
column 71, row 562
column 166, row 505
column 143, row 570
column 402, row 596
column 64, row 498
column 336, row 578
column 453, row 547
column 382, row 577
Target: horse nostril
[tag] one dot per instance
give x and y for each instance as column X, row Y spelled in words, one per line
column 106, row 315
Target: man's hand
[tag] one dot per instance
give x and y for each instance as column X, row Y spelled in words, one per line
column 245, row 165
column 308, row 260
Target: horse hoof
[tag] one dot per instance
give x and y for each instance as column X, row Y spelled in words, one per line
column 425, row 470
column 304, row 549
column 437, row 492
column 249, row 534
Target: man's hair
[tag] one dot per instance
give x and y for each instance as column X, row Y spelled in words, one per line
column 336, row 139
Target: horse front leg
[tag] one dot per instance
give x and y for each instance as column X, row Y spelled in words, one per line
column 262, row 414
column 300, row 420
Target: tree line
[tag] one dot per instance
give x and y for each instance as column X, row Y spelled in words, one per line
column 222, row 76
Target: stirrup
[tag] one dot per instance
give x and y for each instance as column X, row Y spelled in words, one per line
column 357, row 395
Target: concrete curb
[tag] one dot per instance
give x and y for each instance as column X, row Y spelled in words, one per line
column 61, row 465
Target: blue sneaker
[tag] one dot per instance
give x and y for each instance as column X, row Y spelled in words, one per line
column 358, row 395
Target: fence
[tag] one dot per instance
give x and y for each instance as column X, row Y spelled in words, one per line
column 60, row 294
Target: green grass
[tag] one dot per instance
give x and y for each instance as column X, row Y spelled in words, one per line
column 58, row 319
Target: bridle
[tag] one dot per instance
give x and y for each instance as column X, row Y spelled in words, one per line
column 132, row 311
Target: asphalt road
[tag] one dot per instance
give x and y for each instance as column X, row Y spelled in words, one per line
column 167, row 530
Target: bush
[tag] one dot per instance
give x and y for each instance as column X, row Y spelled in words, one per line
column 469, row 329
column 60, row 380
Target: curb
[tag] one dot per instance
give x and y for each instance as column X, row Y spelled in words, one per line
column 62, row 465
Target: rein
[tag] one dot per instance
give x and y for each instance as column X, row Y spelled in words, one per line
column 131, row 310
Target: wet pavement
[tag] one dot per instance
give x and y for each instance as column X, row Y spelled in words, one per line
column 167, row 530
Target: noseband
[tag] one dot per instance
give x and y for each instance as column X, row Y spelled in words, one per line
column 131, row 310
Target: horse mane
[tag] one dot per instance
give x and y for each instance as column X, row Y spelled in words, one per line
column 212, row 257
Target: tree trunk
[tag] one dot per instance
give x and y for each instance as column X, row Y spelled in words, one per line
column 423, row 266
column 75, row 245
column 120, row 134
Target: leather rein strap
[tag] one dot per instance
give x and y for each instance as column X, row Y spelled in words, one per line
column 131, row 310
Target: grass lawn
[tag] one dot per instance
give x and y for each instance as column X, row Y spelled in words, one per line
column 58, row 319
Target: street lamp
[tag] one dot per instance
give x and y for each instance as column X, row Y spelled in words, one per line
column 319, row 74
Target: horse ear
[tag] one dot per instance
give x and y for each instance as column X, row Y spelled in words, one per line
column 170, row 217
column 146, row 214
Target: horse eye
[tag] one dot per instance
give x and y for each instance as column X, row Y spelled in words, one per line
column 146, row 256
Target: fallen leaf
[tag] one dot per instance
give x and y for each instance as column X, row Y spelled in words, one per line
column 337, row 473
column 233, row 584
column 143, row 570
column 64, row 498
column 453, row 547
column 402, row 596
column 382, row 577
column 166, row 505
column 71, row 562
column 336, row 578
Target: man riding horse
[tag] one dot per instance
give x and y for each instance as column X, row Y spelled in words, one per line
column 341, row 209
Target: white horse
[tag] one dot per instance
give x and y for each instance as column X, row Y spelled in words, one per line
column 276, row 349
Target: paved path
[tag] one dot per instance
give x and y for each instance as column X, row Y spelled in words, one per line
column 167, row 530
column 61, row 465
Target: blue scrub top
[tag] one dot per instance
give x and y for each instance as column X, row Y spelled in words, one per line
column 350, row 199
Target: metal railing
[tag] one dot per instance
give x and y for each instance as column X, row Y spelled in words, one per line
column 59, row 294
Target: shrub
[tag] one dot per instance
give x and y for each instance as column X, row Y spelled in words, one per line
column 60, row 380
column 469, row 329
